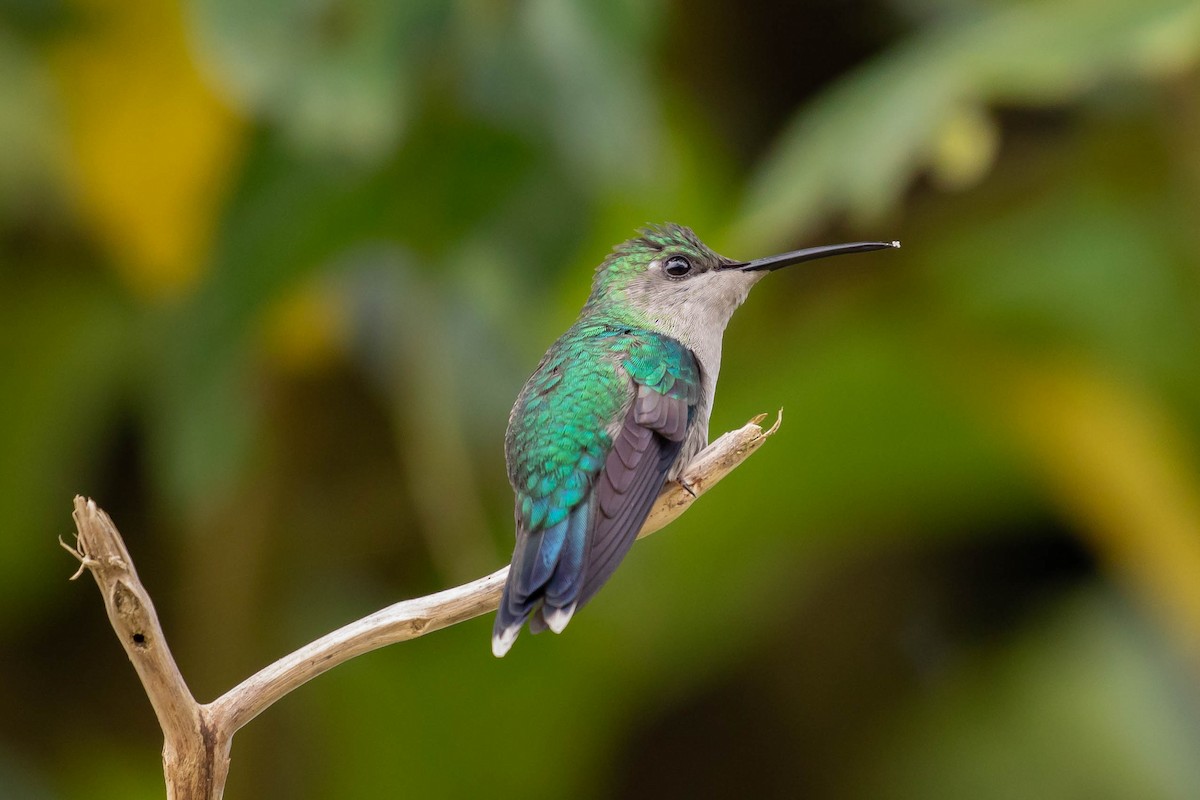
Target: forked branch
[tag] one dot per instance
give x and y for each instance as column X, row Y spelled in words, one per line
column 197, row 737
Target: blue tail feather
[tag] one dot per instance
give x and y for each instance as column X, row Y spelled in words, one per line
column 541, row 556
column 564, row 585
column 546, row 579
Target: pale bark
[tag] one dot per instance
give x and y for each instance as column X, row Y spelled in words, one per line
column 197, row 736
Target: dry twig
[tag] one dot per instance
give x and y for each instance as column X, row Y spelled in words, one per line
column 197, row 737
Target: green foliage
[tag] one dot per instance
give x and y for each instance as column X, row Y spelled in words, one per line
column 968, row 565
column 855, row 149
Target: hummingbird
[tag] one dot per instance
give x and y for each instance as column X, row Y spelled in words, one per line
column 616, row 408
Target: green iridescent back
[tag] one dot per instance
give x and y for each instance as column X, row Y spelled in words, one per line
column 559, row 430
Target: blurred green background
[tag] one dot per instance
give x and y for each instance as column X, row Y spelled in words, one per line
column 271, row 274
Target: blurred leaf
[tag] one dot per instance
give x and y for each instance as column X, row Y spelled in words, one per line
column 152, row 157
column 858, row 147
column 1048, row 52
column 1119, row 464
column 32, row 18
column 287, row 220
column 306, row 329
column 410, row 338
column 1079, row 263
column 965, row 148
column 1069, row 339
column 577, row 75
column 875, row 439
column 604, row 115
column 336, row 75
column 64, row 360
column 31, row 155
column 1087, row 705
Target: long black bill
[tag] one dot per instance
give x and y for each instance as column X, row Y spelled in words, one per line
column 772, row 263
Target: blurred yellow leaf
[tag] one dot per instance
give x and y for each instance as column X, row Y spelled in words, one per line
column 1121, row 468
column 153, row 146
column 306, row 330
column 964, row 147
column 1169, row 48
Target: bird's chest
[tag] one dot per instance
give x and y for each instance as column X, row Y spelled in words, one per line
column 708, row 356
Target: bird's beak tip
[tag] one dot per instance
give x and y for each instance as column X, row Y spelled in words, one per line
column 772, row 263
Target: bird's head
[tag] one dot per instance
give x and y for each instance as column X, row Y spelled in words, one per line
column 668, row 280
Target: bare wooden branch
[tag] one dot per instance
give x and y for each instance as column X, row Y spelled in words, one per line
column 709, row 466
column 197, row 737
column 412, row 618
column 396, row 623
column 195, row 756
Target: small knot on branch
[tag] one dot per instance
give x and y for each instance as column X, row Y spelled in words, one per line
column 126, row 601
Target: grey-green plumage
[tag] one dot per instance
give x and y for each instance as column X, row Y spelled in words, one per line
column 617, row 406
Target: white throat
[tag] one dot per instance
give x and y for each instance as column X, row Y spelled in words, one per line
column 695, row 312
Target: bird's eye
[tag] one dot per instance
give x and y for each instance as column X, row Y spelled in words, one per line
column 677, row 266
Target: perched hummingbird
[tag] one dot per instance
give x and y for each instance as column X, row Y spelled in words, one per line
column 617, row 407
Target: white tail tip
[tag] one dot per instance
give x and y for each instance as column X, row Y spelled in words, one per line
column 502, row 642
column 558, row 618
